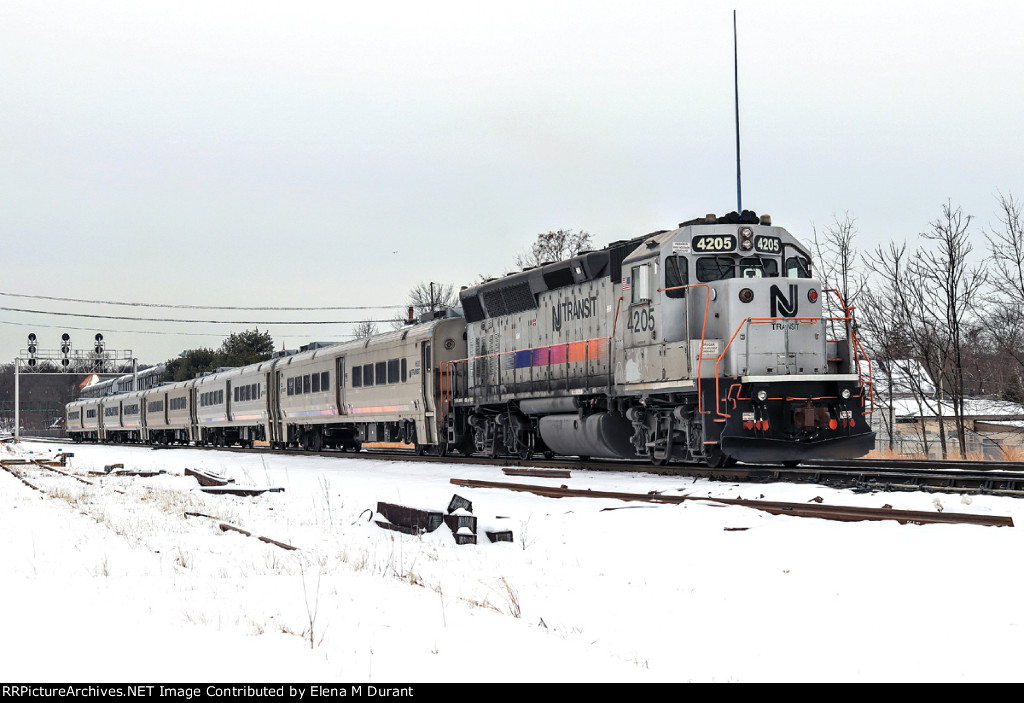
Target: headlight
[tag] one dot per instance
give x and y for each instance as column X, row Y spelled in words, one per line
column 845, row 393
column 746, row 295
column 762, row 395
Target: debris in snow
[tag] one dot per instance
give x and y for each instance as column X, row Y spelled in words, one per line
column 538, row 473
column 460, row 522
column 207, row 478
column 459, row 503
column 403, row 518
column 225, row 527
column 499, row 535
column 241, row 490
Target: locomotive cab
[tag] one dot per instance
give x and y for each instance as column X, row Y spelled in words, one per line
column 769, row 385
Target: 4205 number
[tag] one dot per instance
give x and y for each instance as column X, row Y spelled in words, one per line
column 641, row 320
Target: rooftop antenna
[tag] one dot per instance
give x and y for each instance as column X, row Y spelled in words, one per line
column 736, row 84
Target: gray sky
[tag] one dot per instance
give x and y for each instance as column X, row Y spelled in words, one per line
column 336, row 153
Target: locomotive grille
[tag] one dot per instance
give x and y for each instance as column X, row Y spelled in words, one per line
column 509, row 300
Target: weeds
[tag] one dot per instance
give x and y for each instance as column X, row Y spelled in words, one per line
column 183, row 559
column 325, row 489
column 312, row 606
column 512, row 599
column 524, row 540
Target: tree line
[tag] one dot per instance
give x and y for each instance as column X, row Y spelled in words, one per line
column 941, row 320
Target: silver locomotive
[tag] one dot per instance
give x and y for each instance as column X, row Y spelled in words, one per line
column 702, row 343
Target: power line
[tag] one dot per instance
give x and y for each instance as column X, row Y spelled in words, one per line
column 192, row 322
column 71, row 328
column 110, row 331
column 196, row 307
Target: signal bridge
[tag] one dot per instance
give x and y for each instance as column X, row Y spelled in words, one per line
column 98, row 361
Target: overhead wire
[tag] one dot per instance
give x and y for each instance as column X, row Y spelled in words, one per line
column 191, row 322
column 200, row 307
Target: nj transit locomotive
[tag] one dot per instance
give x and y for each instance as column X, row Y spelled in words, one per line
column 702, row 343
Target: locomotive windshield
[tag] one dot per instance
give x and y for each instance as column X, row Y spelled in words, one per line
column 715, row 268
column 759, row 267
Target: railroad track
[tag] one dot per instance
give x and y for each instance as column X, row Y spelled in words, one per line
column 971, row 477
column 813, row 509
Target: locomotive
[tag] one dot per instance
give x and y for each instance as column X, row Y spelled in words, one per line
column 704, row 343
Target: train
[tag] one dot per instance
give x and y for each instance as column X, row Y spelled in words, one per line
column 704, row 343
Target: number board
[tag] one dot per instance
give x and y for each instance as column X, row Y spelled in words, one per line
column 768, row 245
column 714, row 243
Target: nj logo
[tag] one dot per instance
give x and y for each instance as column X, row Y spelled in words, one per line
column 782, row 306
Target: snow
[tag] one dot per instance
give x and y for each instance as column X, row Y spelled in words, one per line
column 111, row 582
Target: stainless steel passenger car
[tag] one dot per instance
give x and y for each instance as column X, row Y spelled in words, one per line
column 170, row 413
column 82, row 420
column 379, row 392
column 123, row 418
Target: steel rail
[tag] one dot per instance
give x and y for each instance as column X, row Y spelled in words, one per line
column 828, row 512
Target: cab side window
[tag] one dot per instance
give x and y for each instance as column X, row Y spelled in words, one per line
column 798, row 267
column 676, row 274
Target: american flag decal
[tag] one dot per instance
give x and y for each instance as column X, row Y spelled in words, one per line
column 625, row 283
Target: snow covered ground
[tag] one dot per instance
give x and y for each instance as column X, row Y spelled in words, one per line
column 111, row 582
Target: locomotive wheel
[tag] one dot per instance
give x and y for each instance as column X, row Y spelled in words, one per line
column 526, row 448
column 662, row 456
column 442, row 448
column 716, row 458
column 419, row 449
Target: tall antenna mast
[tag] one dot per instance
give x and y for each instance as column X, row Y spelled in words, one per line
column 736, row 84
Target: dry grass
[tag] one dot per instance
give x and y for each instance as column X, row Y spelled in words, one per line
column 892, row 454
column 1013, row 453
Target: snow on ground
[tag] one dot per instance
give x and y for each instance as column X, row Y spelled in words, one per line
column 111, row 582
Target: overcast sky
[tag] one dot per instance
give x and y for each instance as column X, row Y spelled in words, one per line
column 337, row 153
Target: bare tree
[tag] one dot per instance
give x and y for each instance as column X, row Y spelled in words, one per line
column 952, row 291
column 891, row 305
column 1006, row 260
column 552, row 246
column 430, row 297
column 838, row 262
column 364, row 329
